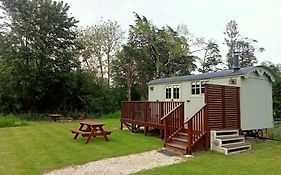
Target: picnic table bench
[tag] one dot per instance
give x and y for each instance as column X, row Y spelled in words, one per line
column 93, row 129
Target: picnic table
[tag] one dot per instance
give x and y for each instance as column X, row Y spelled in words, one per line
column 92, row 129
column 55, row 117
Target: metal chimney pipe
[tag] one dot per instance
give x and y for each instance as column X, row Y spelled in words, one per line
column 236, row 65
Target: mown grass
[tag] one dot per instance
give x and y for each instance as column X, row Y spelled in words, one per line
column 45, row 146
column 263, row 159
column 11, row 121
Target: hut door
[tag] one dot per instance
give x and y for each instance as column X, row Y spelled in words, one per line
column 223, row 106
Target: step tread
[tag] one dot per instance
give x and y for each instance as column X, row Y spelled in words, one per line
column 182, row 133
column 237, row 145
column 229, row 137
column 222, row 129
column 180, row 139
column 176, row 145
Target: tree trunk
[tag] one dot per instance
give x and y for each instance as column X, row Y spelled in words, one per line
column 108, row 68
column 129, row 92
column 101, row 67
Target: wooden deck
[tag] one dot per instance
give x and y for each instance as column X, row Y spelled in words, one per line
column 145, row 113
column 221, row 110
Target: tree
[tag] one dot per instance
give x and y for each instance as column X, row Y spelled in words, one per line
column 113, row 38
column 211, row 58
column 101, row 42
column 124, row 68
column 276, row 89
column 151, row 53
column 244, row 45
column 232, row 37
column 37, row 53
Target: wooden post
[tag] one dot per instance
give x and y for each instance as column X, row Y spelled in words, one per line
column 182, row 116
column 206, row 118
column 161, row 133
column 121, row 127
column 161, row 106
column 145, row 130
column 166, row 130
column 189, row 137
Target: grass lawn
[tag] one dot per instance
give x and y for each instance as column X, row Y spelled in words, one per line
column 44, row 146
column 263, row 159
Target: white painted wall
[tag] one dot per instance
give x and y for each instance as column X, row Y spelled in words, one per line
column 192, row 102
column 256, row 102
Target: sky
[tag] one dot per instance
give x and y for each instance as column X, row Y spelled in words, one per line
column 257, row 19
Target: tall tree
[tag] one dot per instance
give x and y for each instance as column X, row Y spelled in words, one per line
column 124, row 69
column 211, row 58
column 232, row 37
column 39, row 44
column 113, row 36
column 238, row 43
column 163, row 52
column 101, row 42
column 156, row 53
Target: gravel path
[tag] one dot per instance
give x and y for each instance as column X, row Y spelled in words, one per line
column 121, row 165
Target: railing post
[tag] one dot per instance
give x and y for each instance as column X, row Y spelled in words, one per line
column 161, row 109
column 206, row 127
column 166, row 130
column 182, row 116
column 189, row 137
column 122, row 115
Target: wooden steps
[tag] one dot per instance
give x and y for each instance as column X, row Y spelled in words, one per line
column 228, row 142
column 178, row 143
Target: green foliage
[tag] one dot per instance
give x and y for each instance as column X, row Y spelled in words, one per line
column 101, row 42
column 40, row 71
column 151, row 53
column 37, row 54
column 11, row 121
column 45, row 146
column 212, row 58
column 276, row 89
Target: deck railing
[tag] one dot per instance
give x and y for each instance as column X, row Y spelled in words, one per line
column 197, row 126
column 147, row 111
column 174, row 121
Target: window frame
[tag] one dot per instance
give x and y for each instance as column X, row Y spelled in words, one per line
column 198, row 87
column 169, row 94
column 176, row 96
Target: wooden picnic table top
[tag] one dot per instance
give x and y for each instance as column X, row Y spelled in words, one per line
column 91, row 123
column 55, row 115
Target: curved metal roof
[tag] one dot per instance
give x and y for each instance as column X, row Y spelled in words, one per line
column 226, row 73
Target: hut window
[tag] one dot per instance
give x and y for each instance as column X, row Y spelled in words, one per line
column 198, row 87
column 195, row 88
column 168, row 92
column 176, row 91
